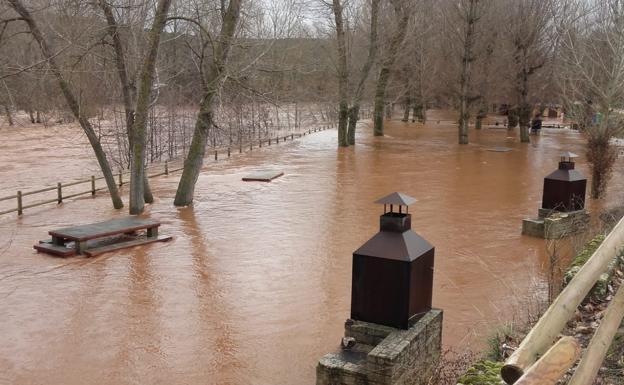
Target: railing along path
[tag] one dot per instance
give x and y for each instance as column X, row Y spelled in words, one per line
column 224, row 151
column 554, row 361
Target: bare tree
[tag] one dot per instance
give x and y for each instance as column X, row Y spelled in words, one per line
column 72, row 102
column 127, row 86
column 217, row 72
column 349, row 107
column 402, row 13
column 343, row 75
column 529, row 31
column 592, row 59
column 138, row 179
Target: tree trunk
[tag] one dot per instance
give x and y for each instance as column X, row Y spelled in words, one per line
column 386, row 66
column 354, row 115
column 195, row 158
column 216, row 76
column 563, row 307
column 524, row 119
column 354, row 110
column 464, row 82
column 406, row 110
column 71, row 102
column 138, row 177
column 128, row 91
column 7, row 111
column 343, row 76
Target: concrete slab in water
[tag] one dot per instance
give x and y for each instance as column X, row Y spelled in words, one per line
column 499, row 149
column 263, row 176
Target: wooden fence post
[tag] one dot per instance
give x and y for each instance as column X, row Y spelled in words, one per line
column 120, row 178
column 166, row 168
column 292, row 136
column 228, row 152
column 277, row 139
column 240, row 148
column 92, row 185
column 216, row 155
column 19, row 203
column 269, row 141
column 59, row 193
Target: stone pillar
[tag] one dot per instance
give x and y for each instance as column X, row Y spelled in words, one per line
column 385, row 355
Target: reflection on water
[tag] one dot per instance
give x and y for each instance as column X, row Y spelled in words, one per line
column 255, row 286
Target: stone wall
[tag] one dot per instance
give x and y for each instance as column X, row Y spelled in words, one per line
column 554, row 224
column 384, row 355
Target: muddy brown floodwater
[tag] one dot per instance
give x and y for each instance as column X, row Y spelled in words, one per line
column 255, row 286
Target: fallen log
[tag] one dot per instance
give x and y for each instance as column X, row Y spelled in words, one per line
column 562, row 309
column 557, row 360
column 591, row 362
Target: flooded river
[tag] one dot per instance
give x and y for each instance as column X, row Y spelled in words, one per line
column 255, row 286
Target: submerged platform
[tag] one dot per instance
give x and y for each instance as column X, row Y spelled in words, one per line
column 263, row 176
column 499, row 149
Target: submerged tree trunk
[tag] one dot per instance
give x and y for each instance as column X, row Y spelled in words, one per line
column 403, row 15
column 137, row 165
column 354, row 115
column 7, row 111
column 343, row 76
column 128, row 91
column 216, row 76
column 524, row 109
column 354, row 110
column 464, row 83
column 71, row 102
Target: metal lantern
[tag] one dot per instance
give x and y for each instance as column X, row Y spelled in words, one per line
column 564, row 189
column 392, row 280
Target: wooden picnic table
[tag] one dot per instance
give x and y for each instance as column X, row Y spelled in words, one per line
column 80, row 235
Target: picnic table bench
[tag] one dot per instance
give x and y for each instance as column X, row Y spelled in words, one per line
column 95, row 232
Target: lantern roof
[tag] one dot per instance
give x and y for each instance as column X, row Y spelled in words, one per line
column 568, row 154
column 396, row 198
column 406, row 246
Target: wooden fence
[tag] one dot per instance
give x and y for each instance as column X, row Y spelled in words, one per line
column 521, row 367
column 166, row 170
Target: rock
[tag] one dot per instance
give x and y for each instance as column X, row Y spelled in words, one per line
column 347, row 343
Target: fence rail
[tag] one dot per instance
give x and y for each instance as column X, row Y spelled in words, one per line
column 166, row 170
column 552, row 322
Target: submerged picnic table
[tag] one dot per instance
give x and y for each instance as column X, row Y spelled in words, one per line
column 81, row 235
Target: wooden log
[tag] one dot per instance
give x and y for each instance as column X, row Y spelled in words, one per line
column 92, row 185
column 562, row 309
column 553, row 364
column 59, row 193
column 595, row 353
